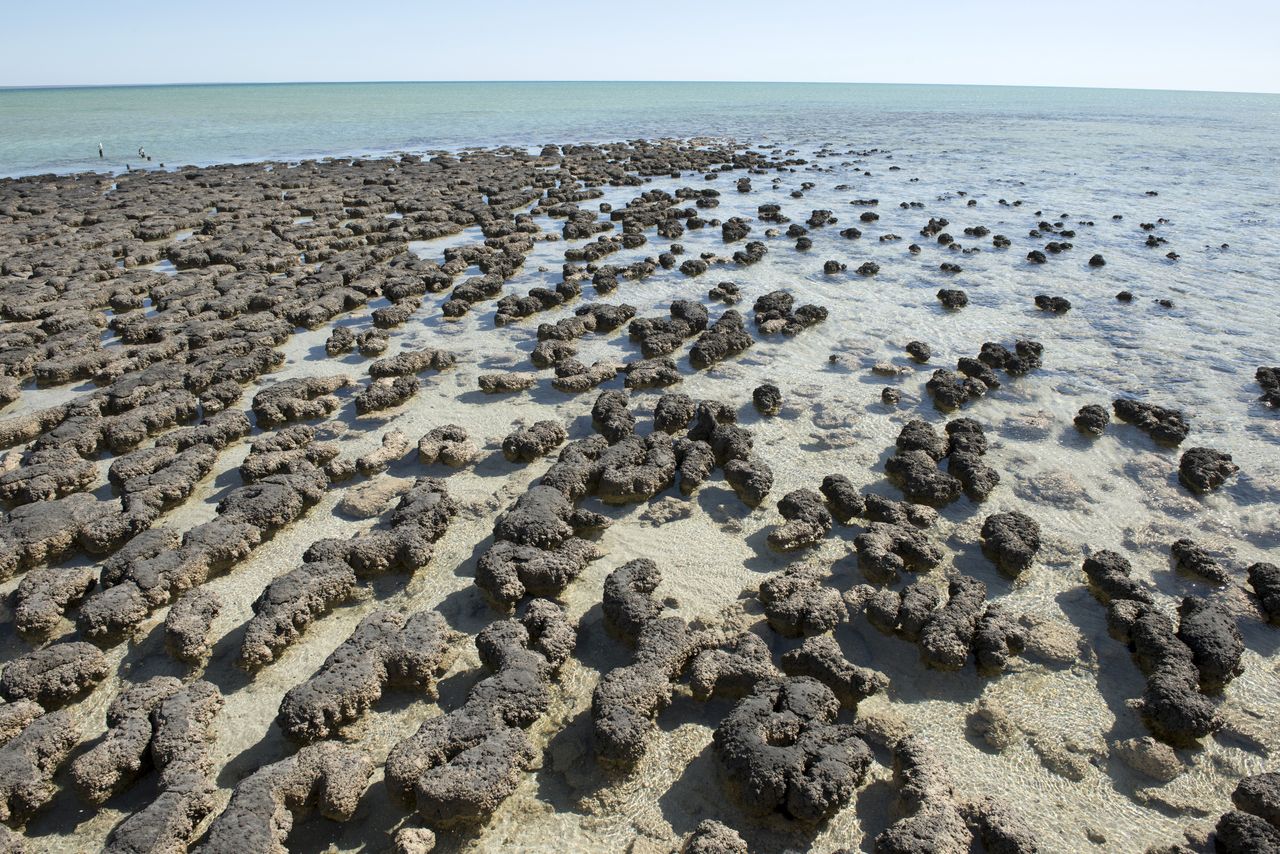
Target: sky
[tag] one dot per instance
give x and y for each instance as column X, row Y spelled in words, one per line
column 1223, row 46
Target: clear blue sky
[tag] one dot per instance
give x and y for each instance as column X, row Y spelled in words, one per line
column 1230, row 45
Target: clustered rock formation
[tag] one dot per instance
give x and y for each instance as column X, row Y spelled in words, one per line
column 1183, row 664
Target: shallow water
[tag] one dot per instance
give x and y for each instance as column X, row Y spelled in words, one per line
column 1118, row 492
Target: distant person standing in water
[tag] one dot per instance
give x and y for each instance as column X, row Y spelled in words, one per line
column 100, row 154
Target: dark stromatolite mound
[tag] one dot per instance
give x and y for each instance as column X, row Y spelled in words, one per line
column 712, row 837
column 1025, row 357
column 31, row 756
column 696, row 461
column 998, row 827
column 628, row 604
column 328, row 777
column 45, row 474
column 953, row 299
column 551, row 352
column 919, row 351
column 299, row 399
column 459, row 767
column 783, row 752
column 1269, row 380
column 767, row 399
column 504, row 383
column 177, row 732
column 55, row 675
column 726, row 292
column 1192, row 558
column 526, row 444
column 1264, row 578
column 946, row 639
column 636, row 469
column 727, row 337
column 386, row 393
column 673, row 412
column 998, row 638
column 732, row 671
column 660, row 336
column 948, row 630
column 1240, row 832
column 652, row 373
column 808, row 520
column 843, row 499
column 1172, row 706
column 886, row 549
column 386, row 649
column 796, row 602
column 776, row 311
column 918, row 435
column 917, row 473
column 1011, row 540
column 332, row 567
column 628, row 699
column 188, row 624
column 448, row 444
column 1165, row 426
column 114, row 763
column 966, row 447
column 1260, row 795
column 287, row 451
column 340, row 341
column 1092, row 419
column 951, row 390
column 408, row 362
column 891, row 512
column 289, row 604
column 1210, row 632
column 45, row 594
column 751, row 479
column 1202, row 470
column 1053, row 304
column 1109, row 575
column 904, row 613
column 537, row 549
column 573, row 377
column 611, row 415
column 820, row 657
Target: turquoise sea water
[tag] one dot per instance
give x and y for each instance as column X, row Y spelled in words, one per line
column 58, row 129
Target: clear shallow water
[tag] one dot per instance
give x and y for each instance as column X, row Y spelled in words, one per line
column 1072, row 155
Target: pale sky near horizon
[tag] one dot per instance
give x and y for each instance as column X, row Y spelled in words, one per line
column 1228, row 46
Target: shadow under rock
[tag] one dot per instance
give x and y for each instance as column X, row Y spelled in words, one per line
column 569, row 772
column 876, row 808
column 699, row 794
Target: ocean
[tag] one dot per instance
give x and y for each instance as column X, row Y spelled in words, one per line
column 59, row 129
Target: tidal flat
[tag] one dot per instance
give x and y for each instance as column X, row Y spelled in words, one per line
column 673, row 494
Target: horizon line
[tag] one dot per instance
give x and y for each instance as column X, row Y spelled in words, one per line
column 212, row 83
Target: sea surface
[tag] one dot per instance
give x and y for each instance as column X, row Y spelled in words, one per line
column 59, row 129
column 1079, row 157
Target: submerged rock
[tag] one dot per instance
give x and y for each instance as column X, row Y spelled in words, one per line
column 1011, row 540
